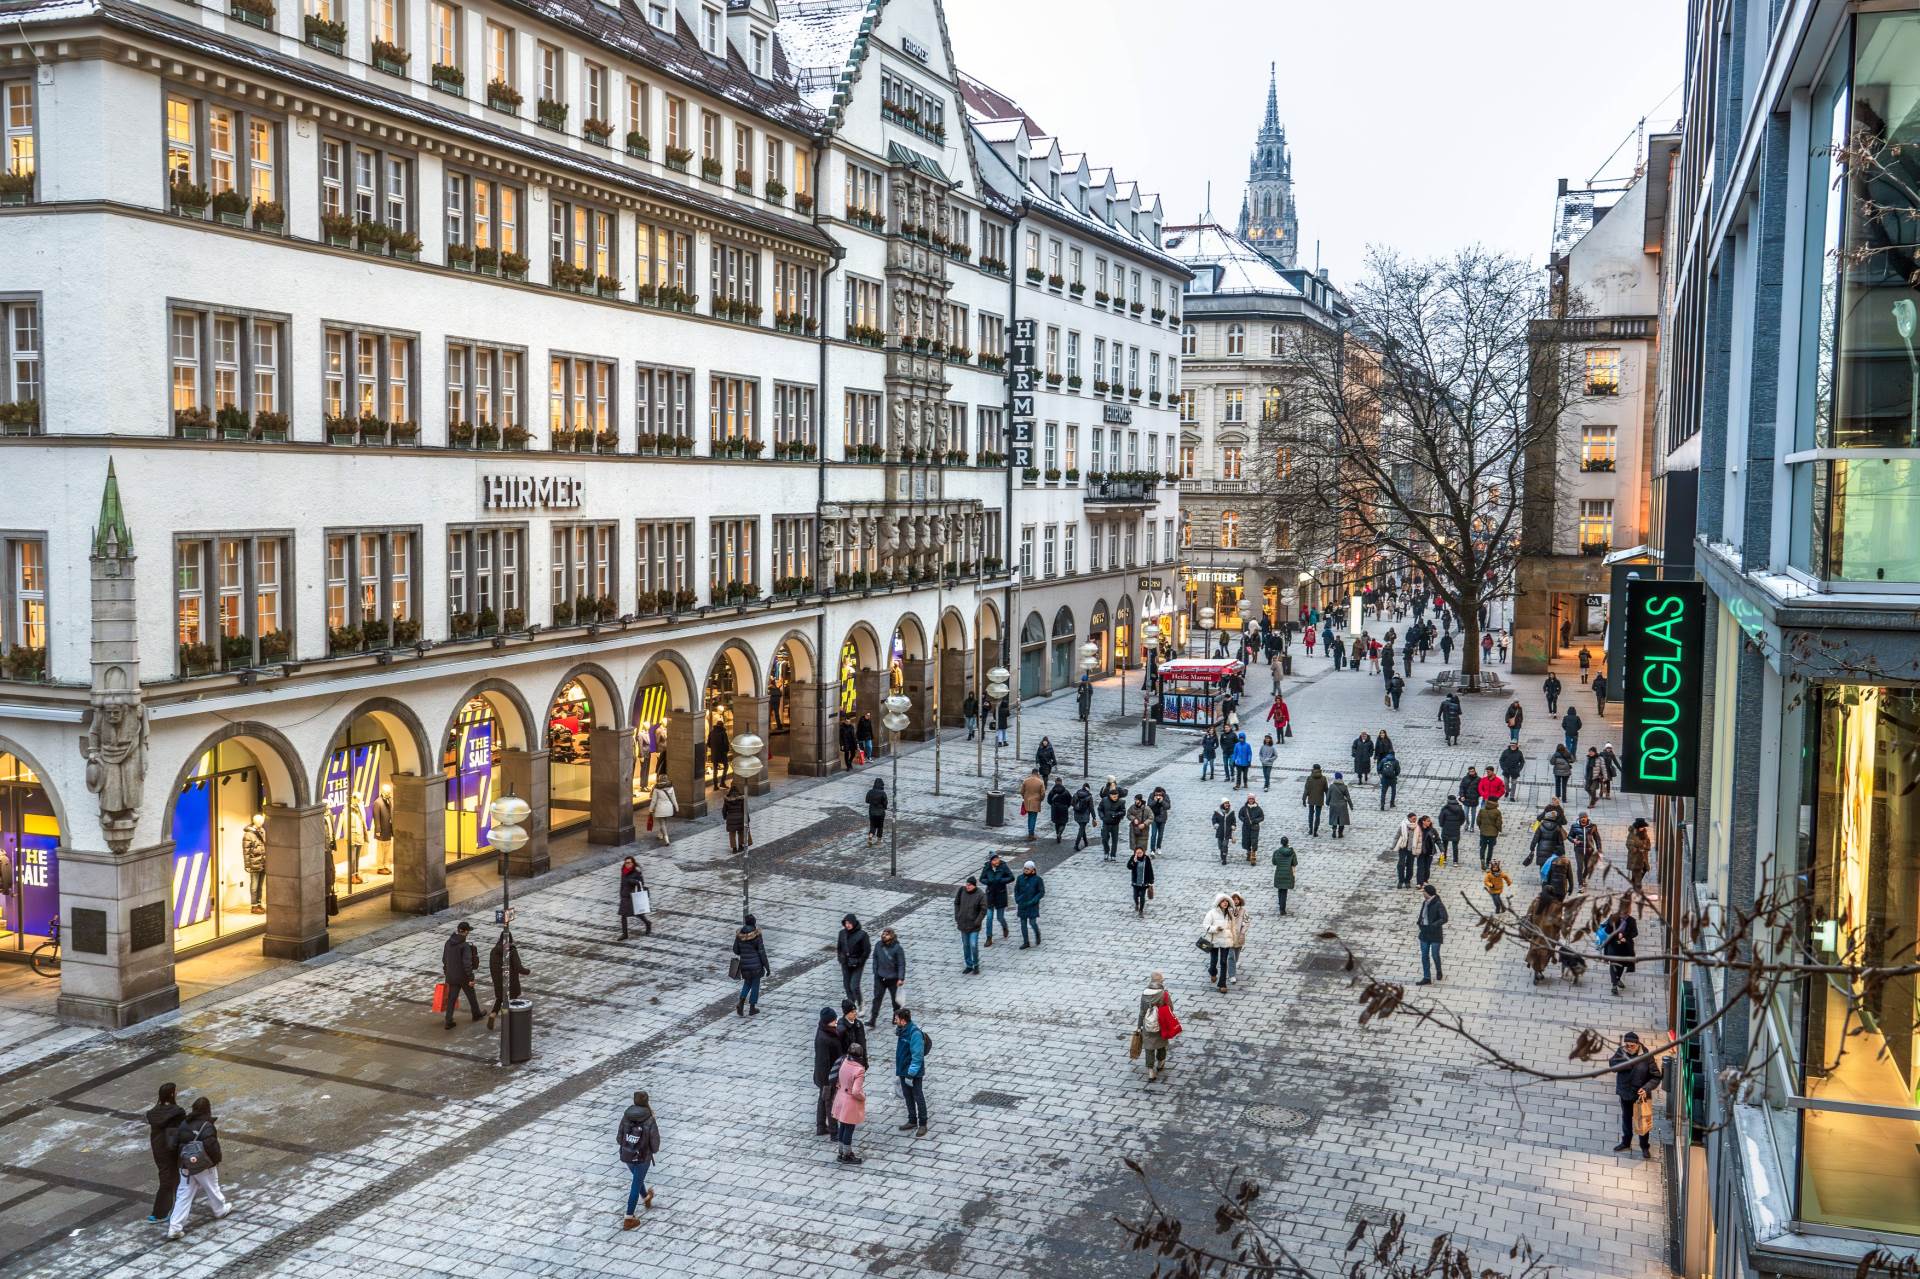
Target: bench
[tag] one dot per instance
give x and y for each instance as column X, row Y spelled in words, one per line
column 1455, row 682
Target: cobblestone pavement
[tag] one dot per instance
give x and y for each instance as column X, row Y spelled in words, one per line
column 363, row 1139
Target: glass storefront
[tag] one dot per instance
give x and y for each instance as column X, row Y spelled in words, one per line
column 849, row 668
column 1033, row 655
column 471, row 762
column 219, row 848
column 569, row 757
column 357, row 791
column 896, row 669
column 650, row 707
column 1097, row 633
column 779, row 703
column 718, row 699
column 1861, row 1041
column 29, row 857
column 1064, row 675
column 1123, row 654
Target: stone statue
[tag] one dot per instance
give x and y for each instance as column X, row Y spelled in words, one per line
column 897, row 428
column 113, row 741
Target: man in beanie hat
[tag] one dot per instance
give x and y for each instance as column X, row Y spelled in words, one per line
column 1636, row 1075
column 969, row 912
column 828, row 1048
column 1028, row 889
column 459, row 964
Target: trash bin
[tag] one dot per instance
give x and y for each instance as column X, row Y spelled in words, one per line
column 996, row 808
column 1286, row 663
column 1149, row 730
column 516, row 1032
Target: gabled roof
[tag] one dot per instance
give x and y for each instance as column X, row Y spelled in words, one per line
column 1224, row 263
column 1000, row 130
column 988, row 103
column 820, row 39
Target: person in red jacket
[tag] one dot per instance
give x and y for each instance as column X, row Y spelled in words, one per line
column 1491, row 787
column 1279, row 717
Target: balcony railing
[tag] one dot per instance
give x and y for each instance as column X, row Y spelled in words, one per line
column 1110, row 492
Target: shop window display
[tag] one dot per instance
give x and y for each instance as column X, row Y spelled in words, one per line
column 1123, row 655
column 1033, row 655
column 650, row 707
column 219, row 848
column 718, row 699
column 29, row 857
column 569, row 756
column 779, row 694
column 471, row 763
column 896, row 657
column 849, row 668
column 1064, row 675
column 358, row 795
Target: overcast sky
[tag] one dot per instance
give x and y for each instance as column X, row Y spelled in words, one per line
column 1417, row 124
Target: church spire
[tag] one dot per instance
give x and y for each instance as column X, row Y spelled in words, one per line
column 1273, row 97
column 1267, row 217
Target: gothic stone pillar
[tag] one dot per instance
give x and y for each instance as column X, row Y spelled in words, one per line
column 956, row 677
column 686, row 759
column 750, row 716
column 524, row 773
column 116, row 936
column 296, row 885
column 610, row 809
column 419, row 844
column 917, row 677
column 813, row 734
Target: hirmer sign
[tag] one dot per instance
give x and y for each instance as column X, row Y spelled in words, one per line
column 1665, row 632
column 527, row 492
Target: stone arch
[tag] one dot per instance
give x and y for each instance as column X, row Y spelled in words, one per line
column 510, row 711
column 951, row 634
column 1100, row 632
column 913, row 636
column 866, row 644
column 800, row 653
column 286, row 780
column 669, row 668
column 602, row 690
column 13, row 748
column 747, row 675
column 411, row 750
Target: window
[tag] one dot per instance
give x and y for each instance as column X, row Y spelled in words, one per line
column 1113, row 366
column 16, row 128
column 863, row 304
column 1598, row 445
column 709, row 137
column 660, row 13
column 228, row 597
column 1070, row 550
column 1053, row 259
column 1074, row 264
column 663, row 552
column 1153, row 373
column 1166, row 542
column 1133, row 451
column 20, row 357
column 483, row 385
column 731, row 408
column 735, row 278
column 1189, row 406
column 776, row 153
column 499, row 54
column 389, row 22
column 581, row 237
column 1157, row 307
column 1275, row 340
column 802, row 179
column 1603, row 372
column 757, row 54
column 1049, row 549
column 742, row 155
column 367, row 373
column 663, row 399
column 1100, row 278
column 1093, row 549
column 732, row 559
column 1099, row 359
column 366, row 183
column 1133, row 370
column 1073, row 355
column 1186, row 461
column 25, row 622
column 1053, row 350
column 583, row 558
column 1231, row 462
column 664, row 253
column 993, row 336
column 1026, row 553
column 484, row 574
column 677, row 124
column 225, row 360
column 1073, row 446
column 483, row 213
column 1186, row 530
column 1189, row 340
column 862, row 410
column 993, row 242
column 639, row 117
column 370, row 575
column 1134, row 294
column 1236, row 339
column 711, row 30
column 792, row 548
column 1033, row 251
column 1113, row 449
column 1229, row 529
column 1596, row 523
column 443, row 34
column 598, row 100
column 1050, row 449
column 579, row 395
column 1236, row 404
column 864, row 191
column 792, row 415
column 553, row 67
column 220, row 147
column 991, row 427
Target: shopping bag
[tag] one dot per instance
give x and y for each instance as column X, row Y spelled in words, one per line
column 440, row 997
column 859, row 757
column 1643, row 1116
column 733, row 968
column 649, row 821
column 1133, row 1046
column 640, row 901
column 1169, row 1024
column 333, row 902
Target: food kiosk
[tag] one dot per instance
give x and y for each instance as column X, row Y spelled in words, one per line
column 1191, row 689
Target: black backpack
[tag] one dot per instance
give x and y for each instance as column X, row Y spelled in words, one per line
column 926, row 1046
column 194, row 1157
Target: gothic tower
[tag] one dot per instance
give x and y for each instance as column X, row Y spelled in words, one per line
column 1267, row 217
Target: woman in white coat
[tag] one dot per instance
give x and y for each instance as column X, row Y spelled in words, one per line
column 663, row 804
column 1218, row 933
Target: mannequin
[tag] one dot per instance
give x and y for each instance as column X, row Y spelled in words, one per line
column 253, row 857
column 356, row 841
column 383, row 828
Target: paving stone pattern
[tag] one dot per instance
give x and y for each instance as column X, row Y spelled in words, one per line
column 363, row 1139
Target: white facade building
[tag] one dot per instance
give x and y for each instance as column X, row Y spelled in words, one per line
column 459, row 397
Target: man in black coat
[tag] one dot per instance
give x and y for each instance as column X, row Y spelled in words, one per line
column 828, row 1047
column 1636, row 1072
column 504, row 966
column 849, row 742
column 1113, row 810
column 162, row 1119
column 459, row 962
column 853, row 947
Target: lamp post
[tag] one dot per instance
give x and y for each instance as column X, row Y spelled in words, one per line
column 996, row 692
column 1089, row 659
column 508, row 836
column 896, row 721
column 747, row 765
column 1246, row 616
column 1148, row 731
column 1206, row 630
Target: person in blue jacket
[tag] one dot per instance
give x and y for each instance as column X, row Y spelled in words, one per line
column 910, row 1064
column 1242, row 759
column 1028, row 889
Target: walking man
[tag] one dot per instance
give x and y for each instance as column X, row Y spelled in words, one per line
column 853, row 947
column 1314, row 796
column 827, row 1049
column 910, row 1064
column 1492, row 821
column 970, row 711
column 1223, row 824
column 1432, row 923
column 1570, row 724
column 996, row 875
column 1551, row 687
column 196, row 1148
column 1636, row 1076
column 969, row 910
column 459, row 962
column 1113, row 811
column 1389, row 765
column 1028, row 889
column 162, row 1119
column 1284, row 863
column 889, row 972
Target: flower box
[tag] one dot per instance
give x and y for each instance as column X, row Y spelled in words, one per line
column 449, row 79
column 711, row 170
column 637, row 145
column 390, row 58
column 255, row 13
column 269, row 427
column 192, row 424
column 512, row 265
column 502, row 96
column 325, row 35
column 550, row 114
column 679, row 157
column 189, row 199
column 269, row 216
column 1076, row 288
column 597, row 131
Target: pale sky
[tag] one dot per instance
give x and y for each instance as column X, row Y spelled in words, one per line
column 1424, row 124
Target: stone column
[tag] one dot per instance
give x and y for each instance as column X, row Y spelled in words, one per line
column 610, row 811
column 116, row 936
column 1535, row 636
column 296, row 886
column 917, row 676
column 685, row 756
column 524, row 773
column 870, row 689
column 956, row 678
column 419, row 844
column 750, row 716
column 813, row 743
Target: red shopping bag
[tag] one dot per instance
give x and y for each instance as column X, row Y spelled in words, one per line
column 860, row 757
column 1169, row 1024
column 440, row 997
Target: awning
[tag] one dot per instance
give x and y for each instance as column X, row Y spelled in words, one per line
column 897, row 154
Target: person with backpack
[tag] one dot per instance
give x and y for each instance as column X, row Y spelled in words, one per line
column 1152, row 1026
column 638, row 1140
column 196, row 1148
column 849, row 1086
column 910, row 1066
column 1396, row 686
column 969, row 910
column 1492, row 822
column 889, row 972
column 1570, row 724
column 996, row 877
column 1586, row 662
column 162, row 1119
column 1059, row 808
column 852, row 946
column 1082, row 814
column 1389, row 766
column 1431, row 923
column 1028, row 889
column 459, row 964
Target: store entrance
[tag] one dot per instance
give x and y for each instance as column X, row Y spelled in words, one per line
column 570, row 756
column 219, row 849
column 29, row 857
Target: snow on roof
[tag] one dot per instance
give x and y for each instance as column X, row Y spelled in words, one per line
column 1224, row 259
column 818, row 36
column 999, row 130
column 984, row 102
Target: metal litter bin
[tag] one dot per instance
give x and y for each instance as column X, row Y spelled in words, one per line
column 516, row 1033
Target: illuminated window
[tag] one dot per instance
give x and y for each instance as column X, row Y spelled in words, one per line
column 1229, row 529
column 1598, row 445
column 1596, row 523
column 1231, row 462
column 1603, row 372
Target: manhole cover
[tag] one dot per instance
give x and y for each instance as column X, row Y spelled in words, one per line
column 1374, row 1214
column 1004, row 1100
column 1459, row 1075
column 1279, row 1118
column 1324, row 964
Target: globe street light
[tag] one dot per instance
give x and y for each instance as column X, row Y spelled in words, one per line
column 1206, row 630
column 747, row 765
column 996, row 694
column 508, row 836
column 1089, row 659
column 896, row 721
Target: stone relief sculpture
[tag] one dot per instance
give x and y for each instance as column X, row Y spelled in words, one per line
column 113, row 741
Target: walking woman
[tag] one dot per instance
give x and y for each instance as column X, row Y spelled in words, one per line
column 1284, row 862
column 1147, row 1025
column 1160, row 806
column 1267, row 755
column 1044, row 759
column 750, row 948
column 1217, row 931
column 876, row 810
column 662, row 805
column 1639, row 858
column 635, row 902
column 1237, row 914
column 850, row 1101
column 1082, row 814
column 639, row 1141
column 1140, row 873
column 1059, row 809
column 1496, row 881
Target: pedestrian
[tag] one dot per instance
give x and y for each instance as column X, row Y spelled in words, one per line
column 1636, row 1078
column 1587, row 846
column 852, row 947
column 1217, row 931
column 1395, row 688
column 1242, row 759
column 1362, row 750
column 253, row 849
column 970, row 712
column 1561, row 762
column 1446, row 647
column 1406, row 843
column 849, row 743
column 1639, row 859
column 1616, row 940
column 196, row 1151
column 997, row 878
column 1251, row 815
column 1237, row 913
column 1044, row 759
column 1059, row 808
column 1423, row 856
column 162, row 1118
column 1486, row 647
column 1314, row 796
column 1492, row 821
column 1468, row 792
column 1267, row 755
column 828, row 1048
column 1028, row 889
column 877, row 810
column 1150, row 1027
column 1612, row 762
column 910, row 1065
column 1389, row 766
column 1450, row 719
column 1140, row 875
column 1280, row 717
column 1082, row 814
column 889, row 973
column 1432, row 924
column 1160, row 807
column 1209, row 747
column 1503, row 646
column 506, row 970
column 1139, row 824
column 1002, row 712
column 459, row 964
column 750, row 948
column 1496, row 882
column 1586, row 662
column 1515, row 718
column 1511, row 762
column 1339, row 806
column 1285, row 861
column 863, row 731
column 849, row 1108
column 1570, row 724
column 1307, row 638
column 733, row 814
column 1113, row 810
column 1451, row 819
column 1593, row 775
column 719, row 751
column 850, row 1028
column 1033, row 791
column 662, row 804
column 1224, row 825
column 1551, row 687
column 969, row 912
column 638, row 1139
column 1382, row 745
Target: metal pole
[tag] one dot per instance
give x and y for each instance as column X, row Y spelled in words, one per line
column 746, row 872
column 979, row 690
column 893, row 827
column 939, row 668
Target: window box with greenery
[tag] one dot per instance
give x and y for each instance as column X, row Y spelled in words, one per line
column 373, row 430
column 342, row 640
column 449, row 79
column 1054, row 379
column 269, row 427
column 776, row 190
column 1053, row 475
column 337, row 228
column 1159, row 313
column 25, row 664
column 711, row 169
column 743, row 180
column 502, row 96
column 1035, row 275
column 255, row 13
column 389, row 57
column 512, row 265
column 460, row 257
column 19, row 417
column 195, row 659
column 992, row 266
column 597, row 131
column 1076, row 288
column 269, row 216
column 1133, row 392
column 1595, row 548
column 404, row 245
column 1031, row 474
column 371, row 237
column 511, row 436
column 342, row 429
column 230, row 208
column 1592, row 464
column 638, row 145
column 803, row 202
column 678, row 158
column 232, row 423
column 1101, row 297
column 562, row 274
column 15, row 187
column 607, row 441
column 193, row 424
column 550, row 114
column 189, row 199
column 793, row 451
column 325, row 34
column 1073, row 475
column 1137, row 307
column 1153, row 397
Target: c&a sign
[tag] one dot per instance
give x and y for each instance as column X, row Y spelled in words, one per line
column 1665, row 640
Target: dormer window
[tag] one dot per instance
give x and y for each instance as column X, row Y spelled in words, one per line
column 1023, row 168
column 659, row 13
column 1053, row 185
column 760, row 54
column 710, row 30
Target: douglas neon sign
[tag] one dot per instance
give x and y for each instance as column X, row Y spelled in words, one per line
column 1665, row 633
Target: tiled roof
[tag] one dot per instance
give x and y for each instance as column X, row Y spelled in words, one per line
column 1224, row 263
column 819, row 38
column 988, row 103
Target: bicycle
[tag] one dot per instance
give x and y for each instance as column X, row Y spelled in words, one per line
column 46, row 956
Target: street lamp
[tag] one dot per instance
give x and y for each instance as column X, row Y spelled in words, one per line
column 508, row 836
column 996, row 694
column 896, row 721
column 1206, row 630
column 1089, row 659
column 1151, row 634
column 747, row 765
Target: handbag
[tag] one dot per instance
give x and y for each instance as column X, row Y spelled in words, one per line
column 1205, row 945
column 733, row 968
column 1643, row 1116
column 1149, row 892
column 1133, row 1046
column 640, row 901
column 440, row 997
column 1169, row 1024
column 333, row 902
column 649, row 821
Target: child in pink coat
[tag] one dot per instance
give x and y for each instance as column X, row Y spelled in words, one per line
column 850, row 1101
